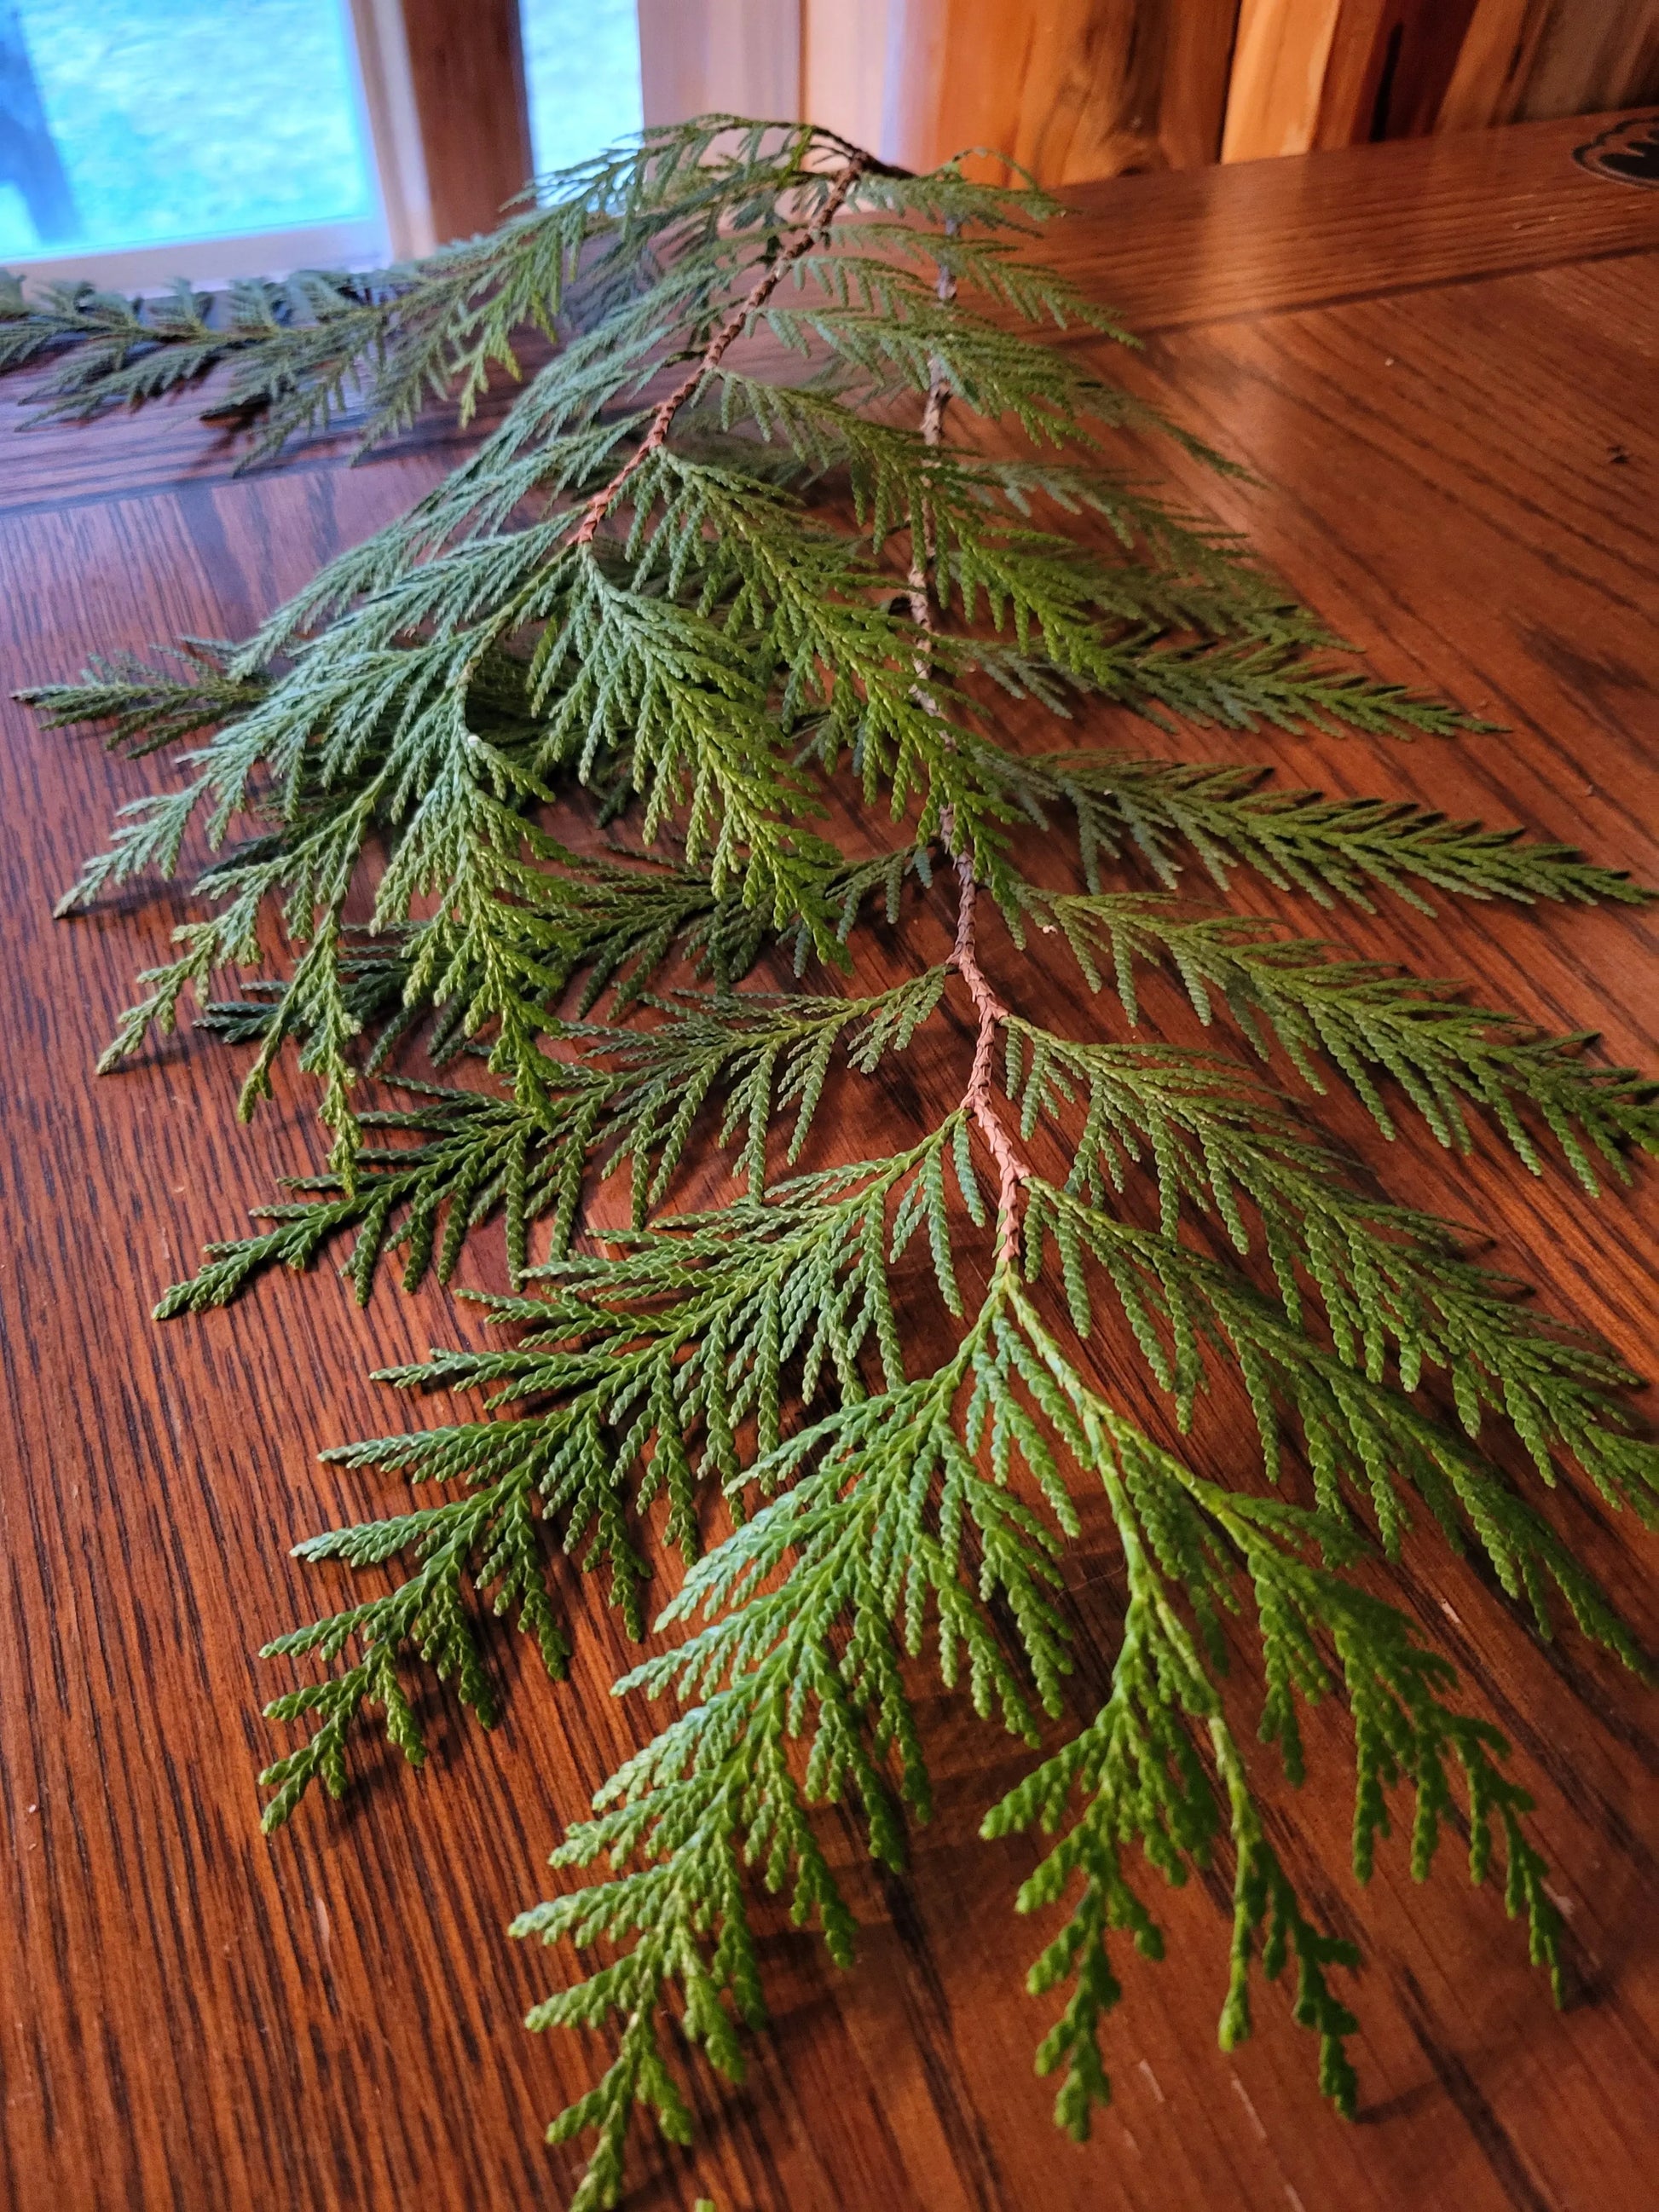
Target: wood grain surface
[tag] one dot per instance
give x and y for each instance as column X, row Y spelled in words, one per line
column 1458, row 465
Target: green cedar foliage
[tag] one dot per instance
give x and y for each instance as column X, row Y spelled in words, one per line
column 736, row 605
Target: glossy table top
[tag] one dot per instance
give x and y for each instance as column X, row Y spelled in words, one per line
column 1440, row 362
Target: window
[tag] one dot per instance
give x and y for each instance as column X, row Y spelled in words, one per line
column 135, row 123
column 582, row 63
column 139, row 138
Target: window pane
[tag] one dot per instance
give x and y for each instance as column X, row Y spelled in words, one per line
column 582, row 59
column 130, row 123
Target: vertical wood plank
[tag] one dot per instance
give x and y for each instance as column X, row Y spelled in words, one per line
column 1280, row 59
column 1417, row 68
column 1200, row 56
column 1593, row 55
column 1310, row 74
column 1532, row 60
column 726, row 56
column 1495, row 61
column 1071, row 88
column 394, row 126
column 913, row 81
column 466, row 71
column 844, row 68
column 1389, row 65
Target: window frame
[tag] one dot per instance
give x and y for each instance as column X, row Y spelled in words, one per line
column 444, row 112
column 443, row 117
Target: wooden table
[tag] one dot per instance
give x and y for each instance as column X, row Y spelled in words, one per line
column 1439, row 359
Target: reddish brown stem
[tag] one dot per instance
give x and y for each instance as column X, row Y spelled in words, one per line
column 978, row 1098
column 932, row 431
column 762, row 290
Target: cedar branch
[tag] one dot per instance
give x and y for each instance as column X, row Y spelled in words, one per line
column 760, row 292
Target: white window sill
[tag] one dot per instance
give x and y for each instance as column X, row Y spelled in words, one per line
column 355, row 245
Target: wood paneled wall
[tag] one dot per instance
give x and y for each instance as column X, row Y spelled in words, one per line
column 726, row 56
column 1079, row 89
column 1309, row 73
column 1071, row 89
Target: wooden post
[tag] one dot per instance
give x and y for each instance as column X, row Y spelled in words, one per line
column 444, row 86
column 1071, row 89
column 466, row 65
column 1280, row 57
column 1311, row 73
column 724, row 57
